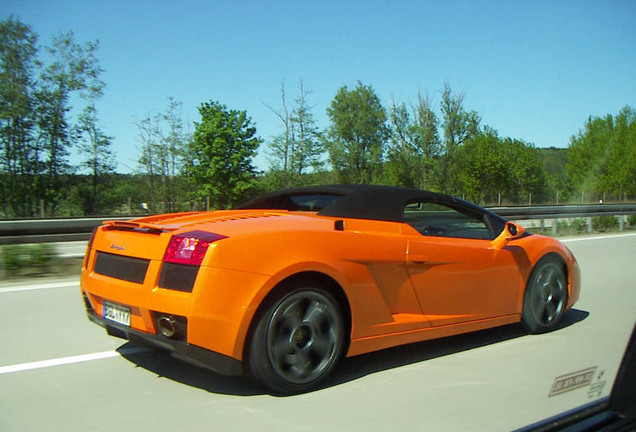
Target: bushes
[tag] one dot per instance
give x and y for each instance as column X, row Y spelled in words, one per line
column 600, row 224
column 604, row 223
column 579, row 225
column 36, row 258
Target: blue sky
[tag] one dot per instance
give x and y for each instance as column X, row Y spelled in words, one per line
column 534, row 70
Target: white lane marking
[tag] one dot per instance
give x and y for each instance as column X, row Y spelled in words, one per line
column 40, row 287
column 602, row 237
column 67, row 360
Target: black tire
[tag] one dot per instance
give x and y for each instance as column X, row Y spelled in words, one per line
column 546, row 296
column 298, row 340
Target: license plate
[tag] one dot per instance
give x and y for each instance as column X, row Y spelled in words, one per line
column 116, row 313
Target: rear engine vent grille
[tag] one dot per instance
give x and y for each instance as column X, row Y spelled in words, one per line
column 121, row 267
column 243, row 216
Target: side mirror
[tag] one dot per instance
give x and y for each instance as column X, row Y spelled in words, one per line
column 511, row 231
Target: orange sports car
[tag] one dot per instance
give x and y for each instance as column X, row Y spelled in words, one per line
column 284, row 286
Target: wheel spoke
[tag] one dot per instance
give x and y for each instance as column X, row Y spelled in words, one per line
column 550, row 312
column 549, row 276
column 281, row 351
column 300, row 367
column 322, row 346
column 538, row 304
column 293, row 315
column 559, row 291
column 540, row 281
column 314, row 313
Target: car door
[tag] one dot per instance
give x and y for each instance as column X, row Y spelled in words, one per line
column 456, row 276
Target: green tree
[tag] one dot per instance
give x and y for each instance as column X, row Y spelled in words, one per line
column 459, row 125
column 306, row 135
column 173, row 153
column 164, row 145
column 223, row 147
column 488, row 166
column 602, row 156
column 19, row 157
column 298, row 150
column 620, row 178
column 415, row 145
column 98, row 157
column 72, row 67
column 358, row 134
column 37, row 129
column 282, row 146
column 588, row 154
column 528, row 178
column 554, row 160
column 481, row 167
column 94, row 144
column 147, row 133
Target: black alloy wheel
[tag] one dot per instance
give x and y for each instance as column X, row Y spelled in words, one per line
column 546, row 296
column 298, row 340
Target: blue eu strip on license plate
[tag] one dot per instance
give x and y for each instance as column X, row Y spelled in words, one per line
column 116, row 313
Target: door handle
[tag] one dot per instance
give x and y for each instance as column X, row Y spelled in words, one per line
column 416, row 258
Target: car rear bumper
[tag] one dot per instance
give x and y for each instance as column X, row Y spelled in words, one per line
column 190, row 353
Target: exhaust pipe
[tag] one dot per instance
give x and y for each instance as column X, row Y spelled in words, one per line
column 167, row 326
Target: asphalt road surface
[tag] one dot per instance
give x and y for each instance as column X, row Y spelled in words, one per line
column 59, row 372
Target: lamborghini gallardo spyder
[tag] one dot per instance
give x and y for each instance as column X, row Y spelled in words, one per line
column 287, row 284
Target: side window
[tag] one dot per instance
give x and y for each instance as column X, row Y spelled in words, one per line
column 310, row 202
column 433, row 219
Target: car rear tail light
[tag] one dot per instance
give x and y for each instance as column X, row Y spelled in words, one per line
column 89, row 246
column 92, row 239
column 189, row 248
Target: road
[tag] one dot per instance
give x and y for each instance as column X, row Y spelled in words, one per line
column 59, row 372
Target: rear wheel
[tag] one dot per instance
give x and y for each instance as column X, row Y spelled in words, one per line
column 546, row 297
column 297, row 340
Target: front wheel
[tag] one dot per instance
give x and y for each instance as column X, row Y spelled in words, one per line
column 297, row 341
column 545, row 298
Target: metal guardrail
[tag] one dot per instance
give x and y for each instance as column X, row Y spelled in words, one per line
column 542, row 213
column 75, row 229
column 564, row 211
column 20, row 231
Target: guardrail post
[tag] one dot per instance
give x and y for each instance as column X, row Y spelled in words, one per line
column 620, row 223
column 554, row 226
column 589, row 225
column 542, row 225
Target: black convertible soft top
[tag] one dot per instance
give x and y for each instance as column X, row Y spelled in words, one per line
column 385, row 203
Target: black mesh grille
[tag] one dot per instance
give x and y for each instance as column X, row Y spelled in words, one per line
column 121, row 267
column 178, row 277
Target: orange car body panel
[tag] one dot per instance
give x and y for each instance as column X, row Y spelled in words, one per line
column 401, row 287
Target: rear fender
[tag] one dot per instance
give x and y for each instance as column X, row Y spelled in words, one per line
column 367, row 306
